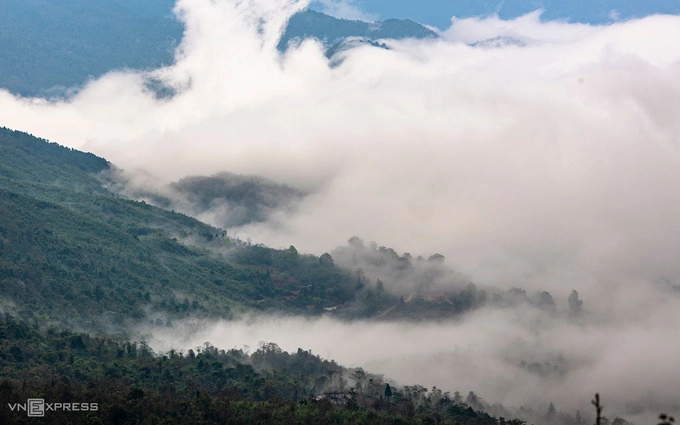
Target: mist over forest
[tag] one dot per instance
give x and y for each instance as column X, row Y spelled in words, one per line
column 493, row 209
column 225, row 199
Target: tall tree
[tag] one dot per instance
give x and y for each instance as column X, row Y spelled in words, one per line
column 388, row 392
column 575, row 304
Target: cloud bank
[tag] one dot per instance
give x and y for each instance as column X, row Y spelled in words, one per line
column 545, row 159
column 516, row 357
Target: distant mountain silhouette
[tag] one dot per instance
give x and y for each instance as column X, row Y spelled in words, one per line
column 333, row 32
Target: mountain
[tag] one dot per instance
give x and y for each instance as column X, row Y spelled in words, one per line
column 333, row 32
column 72, row 251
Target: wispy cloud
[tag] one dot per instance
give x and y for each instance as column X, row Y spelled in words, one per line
column 346, row 9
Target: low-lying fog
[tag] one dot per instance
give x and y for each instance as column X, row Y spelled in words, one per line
column 631, row 360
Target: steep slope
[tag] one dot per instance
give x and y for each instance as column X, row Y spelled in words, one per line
column 29, row 159
column 70, row 251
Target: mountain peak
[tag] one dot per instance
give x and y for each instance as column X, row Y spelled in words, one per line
column 333, row 32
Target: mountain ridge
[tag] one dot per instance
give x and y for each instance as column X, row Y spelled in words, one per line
column 333, row 32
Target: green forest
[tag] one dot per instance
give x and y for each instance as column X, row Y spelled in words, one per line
column 132, row 384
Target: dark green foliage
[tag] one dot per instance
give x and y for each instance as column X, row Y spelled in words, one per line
column 388, row 392
column 131, row 384
column 27, row 158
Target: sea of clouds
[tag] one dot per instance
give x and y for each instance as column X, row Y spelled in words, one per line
column 532, row 154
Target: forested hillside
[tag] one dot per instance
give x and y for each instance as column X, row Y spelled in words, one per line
column 71, row 251
column 129, row 384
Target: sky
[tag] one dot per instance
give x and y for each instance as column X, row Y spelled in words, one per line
column 530, row 152
column 438, row 13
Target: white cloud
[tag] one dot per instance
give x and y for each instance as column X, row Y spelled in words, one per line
column 527, row 28
column 346, row 9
